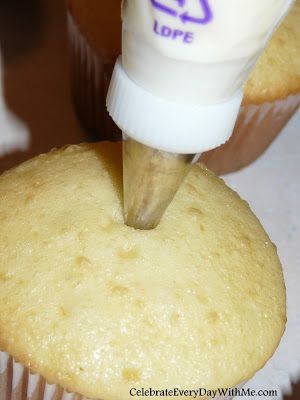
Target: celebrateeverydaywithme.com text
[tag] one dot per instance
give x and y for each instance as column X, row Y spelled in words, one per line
column 202, row 392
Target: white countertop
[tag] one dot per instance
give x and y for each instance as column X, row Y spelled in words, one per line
column 271, row 185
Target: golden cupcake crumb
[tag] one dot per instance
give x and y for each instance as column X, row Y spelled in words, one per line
column 97, row 307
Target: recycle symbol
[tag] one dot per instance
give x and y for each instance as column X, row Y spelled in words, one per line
column 204, row 16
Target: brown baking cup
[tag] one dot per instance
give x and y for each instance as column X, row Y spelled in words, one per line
column 19, row 383
column 91, row 72
column 256, row 128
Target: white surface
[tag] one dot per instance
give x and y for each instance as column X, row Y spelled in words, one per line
column 271, row 185
column 14, row 134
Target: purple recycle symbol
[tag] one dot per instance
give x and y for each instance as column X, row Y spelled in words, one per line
column 185, row 16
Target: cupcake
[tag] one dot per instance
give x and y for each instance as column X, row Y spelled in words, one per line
column 95, row 42
column 91, row 308
column 272, row 95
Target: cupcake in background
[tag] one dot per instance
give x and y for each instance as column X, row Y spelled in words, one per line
column 95, row 42
column 272, row 95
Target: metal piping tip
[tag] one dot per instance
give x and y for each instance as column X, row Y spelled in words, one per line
column 151, row 179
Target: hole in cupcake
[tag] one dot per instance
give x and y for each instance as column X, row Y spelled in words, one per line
column 174, row 320
column 201, row 298
column 201, row 226
column 213, row 317
column 64, row 312
column 139, row 304
column 252, row 292
column 37, row 184
column 215, row 342
column 108, row 225
column 148, row 323
column 118, row 289
column 195, row 212
column 82, row 261
column 191, row 189
column 128, row 254
column 4, row 276
column 3, row 217
column 131, row 374
column 28, row 199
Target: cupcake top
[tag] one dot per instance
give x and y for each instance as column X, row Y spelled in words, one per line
column 99, row 307
column 277, row 72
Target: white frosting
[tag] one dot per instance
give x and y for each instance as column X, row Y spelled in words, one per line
column 196, row 51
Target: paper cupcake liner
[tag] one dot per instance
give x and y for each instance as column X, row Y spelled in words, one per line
column 18, row 383
column 256, row 128
column 91, row 71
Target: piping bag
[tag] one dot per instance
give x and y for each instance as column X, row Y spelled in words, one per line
column 178, row 86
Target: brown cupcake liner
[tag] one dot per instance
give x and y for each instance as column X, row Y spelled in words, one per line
column 256, row 128
column 91, row 72
column 19, row 383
